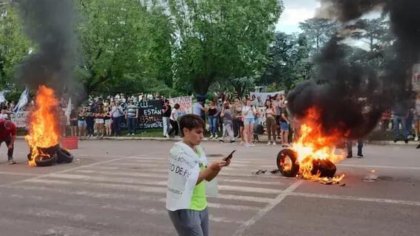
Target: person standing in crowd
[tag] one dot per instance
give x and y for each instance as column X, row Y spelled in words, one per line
column 385, row 120
column 63, row 122
column 400, row 114
column 186, row 199
column 132, row 114
column 116, row 114
column 107, row 119
column 73, row 122
column 417, row 117
column 226, row 115
column 238, row 123
column 166, row 113
column 173, row 119
column 81, row 122
column 8, row 135
column 199, row 109
column 276, row 102
column 4, row 113
column 248, row 112
column 284, row 127
column 90, row 122
column 212, row 114
column 99, row 120
column 359, row 148
column 270, row 122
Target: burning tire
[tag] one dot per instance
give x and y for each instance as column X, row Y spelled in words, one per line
column 287, row 163
column 45, row 160
column 64, row 156
column 325, row 168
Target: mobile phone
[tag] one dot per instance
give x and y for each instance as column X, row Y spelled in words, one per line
column 229, row 156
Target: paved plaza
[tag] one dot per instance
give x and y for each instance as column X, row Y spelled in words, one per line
column 117, row 187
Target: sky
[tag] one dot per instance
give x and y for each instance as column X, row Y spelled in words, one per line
column 296, row 11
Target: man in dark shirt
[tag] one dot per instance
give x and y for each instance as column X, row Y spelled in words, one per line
column 166, row 113
column 8, row 135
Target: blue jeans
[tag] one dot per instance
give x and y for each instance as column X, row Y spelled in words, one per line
column 190, row 222
column 116, row 125
column 213, row 124
column 396, row 121
column 131, row 122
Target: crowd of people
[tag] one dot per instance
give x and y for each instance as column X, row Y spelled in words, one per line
column 227, row 119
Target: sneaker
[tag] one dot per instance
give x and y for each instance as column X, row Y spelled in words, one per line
column 268, row 143
column 359, row 155
column 416, row 139
column 274, row 143
column 12, row 162
column 418, row 146
column 215, row 136
column 211, row 136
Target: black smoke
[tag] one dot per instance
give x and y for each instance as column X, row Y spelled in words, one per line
column 352, row 96
column 49, row 24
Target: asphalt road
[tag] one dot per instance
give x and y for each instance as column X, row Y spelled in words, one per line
column 118, row 188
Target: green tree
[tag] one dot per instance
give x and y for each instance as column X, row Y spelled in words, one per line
column 14, row 46
column 220, row 39
column 288, row 61
column 126, row 46
column 318, row 31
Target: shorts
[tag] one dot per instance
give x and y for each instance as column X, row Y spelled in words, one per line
column 99, row 121
column 108, row 122
column 81, row 123
column 249, row 121
column 284, row 126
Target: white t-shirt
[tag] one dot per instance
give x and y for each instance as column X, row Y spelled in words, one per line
column 184, row 169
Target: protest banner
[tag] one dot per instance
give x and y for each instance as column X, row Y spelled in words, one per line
column 20, row 118
column 261, row 97
column 150, row 114
column 185, row 104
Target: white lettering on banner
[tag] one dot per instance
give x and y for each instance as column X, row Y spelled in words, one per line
column 152, row 111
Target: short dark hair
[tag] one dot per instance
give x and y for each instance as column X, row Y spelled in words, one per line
column 191, row 121
column 176, row 106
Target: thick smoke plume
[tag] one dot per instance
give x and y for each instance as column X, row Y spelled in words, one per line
column 349, row 96
column 49, row 24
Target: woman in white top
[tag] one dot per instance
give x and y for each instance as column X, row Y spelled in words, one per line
column 173, row 120
column 248, row 113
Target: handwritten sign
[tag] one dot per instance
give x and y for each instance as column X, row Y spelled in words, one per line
column 150, row 114
column 185, row 104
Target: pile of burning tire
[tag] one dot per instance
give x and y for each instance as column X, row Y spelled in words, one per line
column 51, row 156
column 287, row 163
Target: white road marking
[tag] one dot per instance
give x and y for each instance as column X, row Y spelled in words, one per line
column 380, row 167
column 68, row 170
column 354, row 198
column 268, row 208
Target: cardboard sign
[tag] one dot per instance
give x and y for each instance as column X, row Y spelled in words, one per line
column 150, row 114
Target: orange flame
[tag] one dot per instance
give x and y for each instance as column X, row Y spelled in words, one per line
column 313, row 145
column 43, row 123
